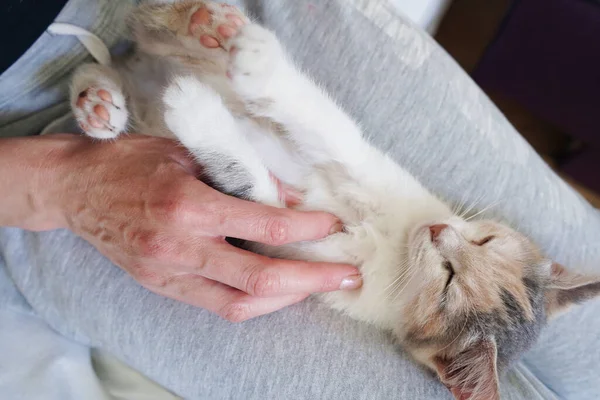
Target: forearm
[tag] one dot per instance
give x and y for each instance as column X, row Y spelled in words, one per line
column 29, row 175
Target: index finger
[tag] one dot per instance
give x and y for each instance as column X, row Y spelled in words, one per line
column 274, row 226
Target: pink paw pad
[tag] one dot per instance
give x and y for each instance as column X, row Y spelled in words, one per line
column 100, row 117
column 237, row 21
column 94, row 109
column 82, row 98
column 100, row 114
column 213, row 24
column 202, row 17
column 105, row 95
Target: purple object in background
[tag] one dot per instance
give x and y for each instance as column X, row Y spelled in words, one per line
column 547, row 58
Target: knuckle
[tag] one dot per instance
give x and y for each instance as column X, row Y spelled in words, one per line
column 235, row 312
column 262, row 282
column 276, row 230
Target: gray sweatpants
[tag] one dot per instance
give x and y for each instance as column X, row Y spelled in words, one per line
column 415, row 103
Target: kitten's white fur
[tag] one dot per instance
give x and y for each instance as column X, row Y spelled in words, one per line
column 338, row 171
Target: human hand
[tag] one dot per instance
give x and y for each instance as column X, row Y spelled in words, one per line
column 138, row 202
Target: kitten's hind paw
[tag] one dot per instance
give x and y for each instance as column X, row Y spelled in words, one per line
column 213, row 24
column 255, row 57
column 101, row 112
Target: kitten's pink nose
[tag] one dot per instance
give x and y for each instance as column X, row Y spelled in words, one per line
column 436, row 230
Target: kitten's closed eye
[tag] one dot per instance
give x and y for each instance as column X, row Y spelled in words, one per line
column 485, row 240
column 448, row 266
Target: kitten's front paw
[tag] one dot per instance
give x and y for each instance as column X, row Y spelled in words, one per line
column 101, row 112
column 255, row 57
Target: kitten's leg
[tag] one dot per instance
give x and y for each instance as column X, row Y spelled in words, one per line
column 272, row 87
column 196, row 114
column 98, row 101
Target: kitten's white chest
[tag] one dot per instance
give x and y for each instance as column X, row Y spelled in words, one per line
column 381, row 262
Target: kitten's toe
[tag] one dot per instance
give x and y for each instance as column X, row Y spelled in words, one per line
column 287, row 194
column 255, row 56
column 101, row 113
column 213, row 24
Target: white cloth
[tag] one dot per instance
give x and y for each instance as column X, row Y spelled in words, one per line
column 91, row 42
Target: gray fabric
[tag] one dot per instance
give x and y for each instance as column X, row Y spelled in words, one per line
column 416, row 104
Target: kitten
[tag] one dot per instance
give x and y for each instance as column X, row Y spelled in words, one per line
column 465, row 298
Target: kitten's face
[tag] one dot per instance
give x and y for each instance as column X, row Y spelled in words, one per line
column 477, row 296
column 470, row 280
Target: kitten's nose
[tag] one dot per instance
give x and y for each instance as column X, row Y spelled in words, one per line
column 436, row 230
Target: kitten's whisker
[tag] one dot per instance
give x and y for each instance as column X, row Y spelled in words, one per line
column 400, row 280
column 472, row 206
column 463, row 205
column 397, row 282
column 399, row 277
column 482, row 211
column 409, row 247
column 458, row 206
column 408, row 281
column 460, row 212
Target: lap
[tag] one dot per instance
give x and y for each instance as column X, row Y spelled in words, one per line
column 303, row 352
column 306, row 351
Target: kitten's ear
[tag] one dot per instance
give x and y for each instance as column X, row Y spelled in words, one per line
column 568, row 288
column 472, row 374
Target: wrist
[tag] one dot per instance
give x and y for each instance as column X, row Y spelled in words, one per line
column 58, row 178
column 32, row 174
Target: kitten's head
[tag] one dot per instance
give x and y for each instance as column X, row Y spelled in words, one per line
column 478, row 297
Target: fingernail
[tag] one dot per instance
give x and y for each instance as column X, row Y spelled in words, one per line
column 336, row 228
column 351, row 282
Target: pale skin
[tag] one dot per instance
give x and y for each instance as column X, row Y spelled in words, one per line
column 138, row 202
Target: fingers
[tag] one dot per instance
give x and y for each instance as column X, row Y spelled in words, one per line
column 216, row 214
column 229, row 303
column 246, row 220
column 265, row 277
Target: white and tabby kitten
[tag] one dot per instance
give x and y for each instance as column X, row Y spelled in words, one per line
column 464, row 297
